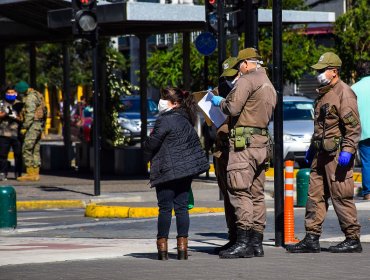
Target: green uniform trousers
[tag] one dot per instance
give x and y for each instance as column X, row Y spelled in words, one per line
column 31, row 145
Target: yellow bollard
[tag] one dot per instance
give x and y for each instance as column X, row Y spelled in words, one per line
column 80, row 92
column 47, row 103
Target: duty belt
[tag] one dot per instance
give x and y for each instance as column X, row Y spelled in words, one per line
column 242, row 135
column 249, row 130
column 328, row 145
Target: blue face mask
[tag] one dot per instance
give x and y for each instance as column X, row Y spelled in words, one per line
column 10, row 97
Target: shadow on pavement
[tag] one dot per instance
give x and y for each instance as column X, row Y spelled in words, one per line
column 59, row 189
column 151, row 256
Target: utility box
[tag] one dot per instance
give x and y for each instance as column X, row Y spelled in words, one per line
column 303, row 182
column 8, row 208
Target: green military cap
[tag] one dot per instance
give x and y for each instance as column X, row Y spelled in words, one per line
column 328, row 59
column 228, row 67
column 21, row 87
column 247, row 54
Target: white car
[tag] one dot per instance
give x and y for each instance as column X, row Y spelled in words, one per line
column 298, row 127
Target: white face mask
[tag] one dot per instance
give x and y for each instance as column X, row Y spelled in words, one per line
column 163, row 105
column 321, row 78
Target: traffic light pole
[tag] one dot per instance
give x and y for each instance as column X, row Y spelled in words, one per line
column 96, row 126
column 221, row 44
column 277, row 76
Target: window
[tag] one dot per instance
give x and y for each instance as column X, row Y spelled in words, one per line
column 298, row 110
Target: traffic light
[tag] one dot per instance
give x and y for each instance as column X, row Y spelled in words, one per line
column 84, row 17
column 211, row 16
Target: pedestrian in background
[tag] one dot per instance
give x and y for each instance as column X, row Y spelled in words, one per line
column 250, row 106
column 331, row 154
column 176, row 156
column 362, row 91
column 10, row 123
column 34, row 116
column 227, row 81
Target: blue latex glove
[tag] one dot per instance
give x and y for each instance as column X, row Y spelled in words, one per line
column 310, row 154
column 216, row 100
column 344, row 158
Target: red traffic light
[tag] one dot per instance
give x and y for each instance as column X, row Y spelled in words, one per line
column 212, row 2
column 86, row 2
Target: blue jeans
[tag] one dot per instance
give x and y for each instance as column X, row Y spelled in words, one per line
column 173, row 195
column 364, row 147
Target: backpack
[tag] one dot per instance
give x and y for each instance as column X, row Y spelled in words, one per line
column 41, row 111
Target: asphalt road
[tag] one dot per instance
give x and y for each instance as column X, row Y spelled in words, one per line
column 63, row 244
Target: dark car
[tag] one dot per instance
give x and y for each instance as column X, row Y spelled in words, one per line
column 130, row 118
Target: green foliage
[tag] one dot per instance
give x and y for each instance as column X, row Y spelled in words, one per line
column 165, row 68
column 16, row 61
column 116, row 88
column 299, row 53
column 353, row 38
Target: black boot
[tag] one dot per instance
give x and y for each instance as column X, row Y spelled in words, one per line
column 309, row 244
column 256, row 241
column 241, row 249
column 350, row 245
column 232, row 241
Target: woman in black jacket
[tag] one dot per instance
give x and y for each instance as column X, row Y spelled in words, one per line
column 176, row 156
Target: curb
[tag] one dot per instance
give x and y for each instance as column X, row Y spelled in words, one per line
column 124, row 212
column 49, row 204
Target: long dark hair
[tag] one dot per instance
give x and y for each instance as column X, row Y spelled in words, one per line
column 184, row 99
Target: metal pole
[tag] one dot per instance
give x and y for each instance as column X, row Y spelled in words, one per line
column 32, row 52
column 278, row 122
column 221, row 35
column 206, row 72
column 234, row 44
column 2, row 66
column 67, row 104
column 186, row 60
column 143, row 88
column 254, row 29
column 251, row 24
column 96, row 126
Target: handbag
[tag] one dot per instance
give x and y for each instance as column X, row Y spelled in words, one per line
column 190, row 200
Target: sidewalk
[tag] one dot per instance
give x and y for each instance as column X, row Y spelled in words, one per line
column 120, row 196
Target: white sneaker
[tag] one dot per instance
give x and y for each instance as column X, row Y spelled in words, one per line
column 3, row 177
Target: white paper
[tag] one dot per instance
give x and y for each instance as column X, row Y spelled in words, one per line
column 213, row 112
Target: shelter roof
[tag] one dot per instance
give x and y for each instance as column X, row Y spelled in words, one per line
column 39, row 20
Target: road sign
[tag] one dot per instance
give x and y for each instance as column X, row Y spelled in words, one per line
column 206, row 43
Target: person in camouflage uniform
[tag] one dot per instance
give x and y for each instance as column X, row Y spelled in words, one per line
column 34, row 115
column 9, row 129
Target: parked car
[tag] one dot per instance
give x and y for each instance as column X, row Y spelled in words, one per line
column 130, row 118
column 298, row 126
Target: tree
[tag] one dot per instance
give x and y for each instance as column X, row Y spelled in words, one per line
column 165, row 67
column 299, row 52
column 116, row 88
column 353, row 38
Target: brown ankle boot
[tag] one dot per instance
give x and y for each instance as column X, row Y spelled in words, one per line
column 162, row 249
column 182, row 248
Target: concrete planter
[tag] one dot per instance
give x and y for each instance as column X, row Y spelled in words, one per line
column 116, row 161
column 53, row 157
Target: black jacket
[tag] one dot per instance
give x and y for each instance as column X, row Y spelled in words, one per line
column 174, row 149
